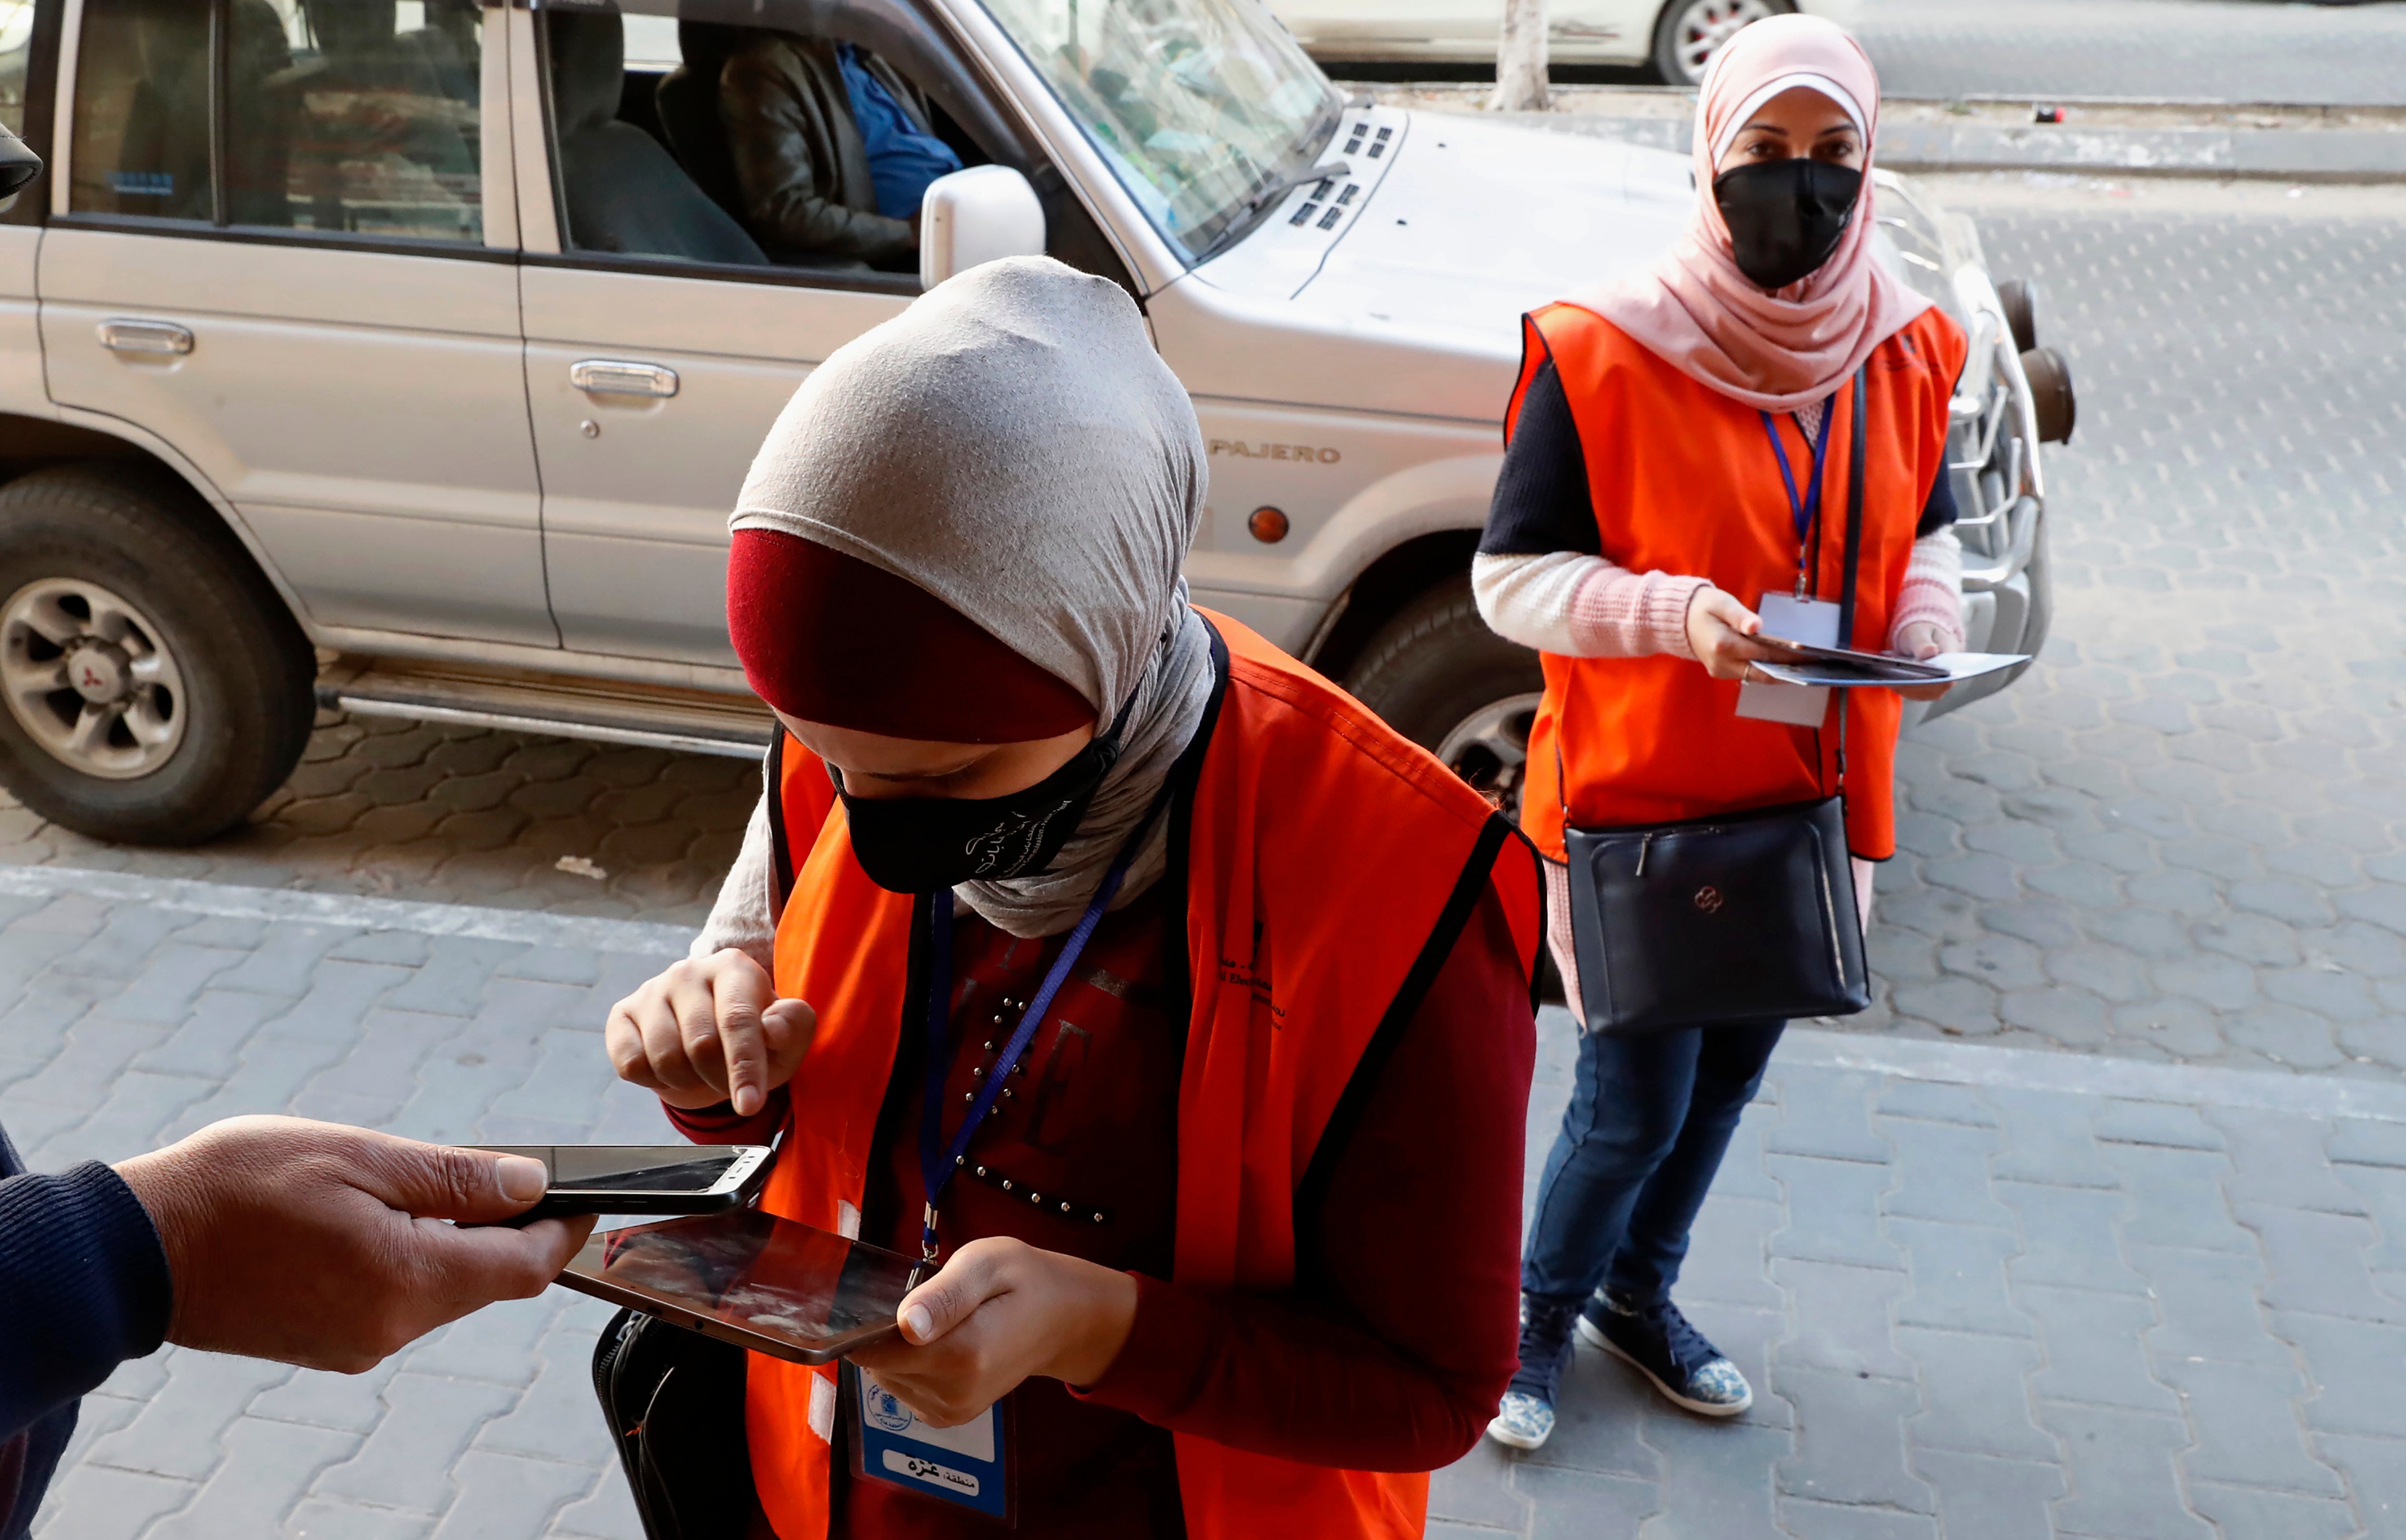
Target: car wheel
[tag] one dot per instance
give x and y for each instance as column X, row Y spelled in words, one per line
column 153, row 688
column 1688, row 33
column 1443, row 680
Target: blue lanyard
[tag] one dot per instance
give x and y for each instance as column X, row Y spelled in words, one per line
column 936, row 1161
column 1808, row 507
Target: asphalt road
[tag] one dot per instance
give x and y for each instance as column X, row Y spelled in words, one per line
column 2231, row 50
column 2221, row 51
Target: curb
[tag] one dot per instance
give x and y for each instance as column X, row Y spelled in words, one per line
column 2294, row 155
column 232, row 901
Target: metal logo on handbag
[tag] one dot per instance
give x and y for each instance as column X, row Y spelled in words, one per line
column 1735, row 917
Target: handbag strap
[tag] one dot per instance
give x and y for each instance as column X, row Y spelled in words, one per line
column 1854, row 519
column 1854, row 558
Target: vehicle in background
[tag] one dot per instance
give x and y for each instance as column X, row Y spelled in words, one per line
column 408, row 356
column 1675, row 38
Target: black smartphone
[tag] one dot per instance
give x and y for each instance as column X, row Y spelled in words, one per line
column 788, row 1290
column 643, row 1179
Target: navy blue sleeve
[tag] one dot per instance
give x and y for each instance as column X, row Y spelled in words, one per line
column 83, row 1287
column 1541, row 496
column 1938, row 510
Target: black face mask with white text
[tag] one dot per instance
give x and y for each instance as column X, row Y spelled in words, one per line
column 925, row 845
column 1785, row 218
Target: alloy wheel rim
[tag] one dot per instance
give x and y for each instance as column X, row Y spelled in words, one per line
column 1489, row 749
column 1704, row 26
column 89, row 676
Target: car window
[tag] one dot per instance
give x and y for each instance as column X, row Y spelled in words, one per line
column 740, row 145
column 141, row 135
column 16, row 50
column 1197, row 105
column 358, row 116
column 349, row 117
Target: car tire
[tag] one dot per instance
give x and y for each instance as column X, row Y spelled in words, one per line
column 1682, row 23
column 1442, row 678
column 155, row 688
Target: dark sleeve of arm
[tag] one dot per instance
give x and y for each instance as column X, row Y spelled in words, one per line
column 1395, row 1359
column 768, row 135
column 1541, row 495
column 721, row 1126
column 1938, row 508
column 83, row 1287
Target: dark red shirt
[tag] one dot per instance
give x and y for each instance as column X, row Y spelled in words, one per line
column 1401, row 1332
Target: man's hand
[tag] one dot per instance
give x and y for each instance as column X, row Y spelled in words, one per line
column 1919, row 641
column 1000, row 1311
column 315, row 1244
column 711, row 1031
column 1722, row 632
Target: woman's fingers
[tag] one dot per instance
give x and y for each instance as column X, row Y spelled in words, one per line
column 788, row 1027
column 740, row 992
column 701, row 1032
column 976, row 1273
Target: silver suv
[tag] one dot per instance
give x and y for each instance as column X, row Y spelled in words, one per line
column 405, row 355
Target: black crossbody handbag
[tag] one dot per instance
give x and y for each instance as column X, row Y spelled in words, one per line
column 674, row 1403
column 1736, row 917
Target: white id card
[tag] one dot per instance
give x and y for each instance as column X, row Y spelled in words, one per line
column 967, row 1465
column 1812, row 621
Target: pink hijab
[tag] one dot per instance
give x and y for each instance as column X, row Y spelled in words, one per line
column 1693, row 307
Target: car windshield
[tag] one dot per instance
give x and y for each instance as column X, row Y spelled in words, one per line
column 1197, row 104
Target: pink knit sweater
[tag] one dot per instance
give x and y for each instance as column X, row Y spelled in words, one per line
column 1584, row 606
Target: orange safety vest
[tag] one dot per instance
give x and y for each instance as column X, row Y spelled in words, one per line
column 1683, row 481
column 1329, row 865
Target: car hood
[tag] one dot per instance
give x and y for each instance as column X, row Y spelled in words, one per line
column 1477, row 222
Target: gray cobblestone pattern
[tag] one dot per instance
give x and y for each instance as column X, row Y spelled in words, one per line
column 2182, row 836
column 2231, row 50
column 384, row 808
column 126, row 1024
column 1982, row 1294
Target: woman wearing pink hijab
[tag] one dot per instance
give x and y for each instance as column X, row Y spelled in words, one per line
column 1670, row 467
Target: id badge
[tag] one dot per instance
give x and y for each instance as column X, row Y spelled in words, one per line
column 967, row 1466
column 1812, row 621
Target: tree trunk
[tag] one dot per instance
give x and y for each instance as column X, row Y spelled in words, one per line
column 1520, row 59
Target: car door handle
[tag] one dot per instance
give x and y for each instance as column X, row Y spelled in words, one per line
column 617, row 377
column 151, row 339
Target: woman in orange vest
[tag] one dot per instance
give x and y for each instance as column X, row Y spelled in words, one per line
column 1173, row 1003
column 1668, row 450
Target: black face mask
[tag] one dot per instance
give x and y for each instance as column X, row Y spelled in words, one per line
column 1786, row 217
column 925, row 845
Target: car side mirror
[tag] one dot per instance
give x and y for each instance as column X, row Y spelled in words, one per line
column 17, row 164
column 977, row 216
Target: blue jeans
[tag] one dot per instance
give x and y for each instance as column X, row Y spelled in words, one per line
column 1648, row 1121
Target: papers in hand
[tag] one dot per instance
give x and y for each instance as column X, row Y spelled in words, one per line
column 1958, row 666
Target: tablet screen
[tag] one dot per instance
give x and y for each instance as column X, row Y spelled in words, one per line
column 790, row 1286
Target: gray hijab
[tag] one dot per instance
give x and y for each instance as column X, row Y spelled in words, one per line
column 1012, row 445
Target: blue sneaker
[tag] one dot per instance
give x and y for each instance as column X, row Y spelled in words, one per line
column 1683, row 1365
column 1525, row 1418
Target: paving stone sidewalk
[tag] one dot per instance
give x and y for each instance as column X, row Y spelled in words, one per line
column 1983, row 1294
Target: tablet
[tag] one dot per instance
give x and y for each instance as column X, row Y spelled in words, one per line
column 1884, row 665
column 769, row 1284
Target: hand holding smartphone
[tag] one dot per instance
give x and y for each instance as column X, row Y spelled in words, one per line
column 643, row 1179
